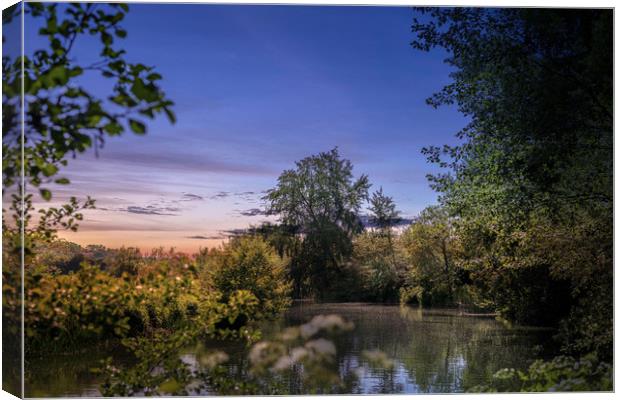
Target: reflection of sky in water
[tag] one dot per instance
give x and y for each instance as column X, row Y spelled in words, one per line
column 373, row 380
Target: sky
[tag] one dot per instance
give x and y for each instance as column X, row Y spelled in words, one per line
column 257, row 88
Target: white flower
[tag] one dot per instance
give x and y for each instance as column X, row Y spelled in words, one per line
column 321, row 346
column 213, row 359
column 257, row 353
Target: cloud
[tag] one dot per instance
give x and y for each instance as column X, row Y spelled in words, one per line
column 151, row 210
column 252, row 212
column 183, row 161
column 220, row 195
column 191, row 197
column 234, row 232
column 213, row 237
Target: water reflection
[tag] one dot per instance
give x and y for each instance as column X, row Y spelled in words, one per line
column 434, row 351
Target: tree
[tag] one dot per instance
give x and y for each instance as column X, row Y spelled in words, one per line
column 321, row 199
column 383, row 209
column 536, row 157
column 375, row 251
column 430, row 248
column 62, row 116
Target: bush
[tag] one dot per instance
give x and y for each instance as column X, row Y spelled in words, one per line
column 249, row 263
column 124, row 260
column 562, row 374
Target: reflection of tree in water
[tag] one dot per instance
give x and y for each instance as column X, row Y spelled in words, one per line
column 451, row 353
column 434, row 350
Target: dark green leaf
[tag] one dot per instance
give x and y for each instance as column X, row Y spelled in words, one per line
column 46, row 194
column 137, row 127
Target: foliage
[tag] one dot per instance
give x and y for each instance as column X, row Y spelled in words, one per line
column 321, row 199
column 125, row 260
column 59, row 256
column 533, row 171
column 562, row 374
column 159, row 368
column 383, row 209
column 249, row 263
column 430, row 248
column 381, row 265
column 63, row 117
column 110, row 300
column 161, row 371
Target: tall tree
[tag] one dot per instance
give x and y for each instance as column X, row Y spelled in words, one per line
column 321, row 199
column 534, row 170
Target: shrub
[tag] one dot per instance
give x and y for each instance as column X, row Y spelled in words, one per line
column 249, row 263
column 562, row 374
column 124, row 260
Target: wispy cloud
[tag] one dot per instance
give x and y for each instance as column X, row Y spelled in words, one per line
column 151, row 210
column 234, row 232
column 191, row 197
column 220, row 195
column 252, row 212
column 202, row 237
column 185, row 161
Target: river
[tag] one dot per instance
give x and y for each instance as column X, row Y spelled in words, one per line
column 434, row 351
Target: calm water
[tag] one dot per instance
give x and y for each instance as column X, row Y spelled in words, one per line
column 435, row 350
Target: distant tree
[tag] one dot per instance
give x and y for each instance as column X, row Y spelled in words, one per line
column 126, row 260
column 384, row 216
column 60, row 256
column 321, row 199
column 383, row 209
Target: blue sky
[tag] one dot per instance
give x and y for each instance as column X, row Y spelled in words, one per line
column 257, row 88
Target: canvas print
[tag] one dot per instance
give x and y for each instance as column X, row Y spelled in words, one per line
column 227, row 199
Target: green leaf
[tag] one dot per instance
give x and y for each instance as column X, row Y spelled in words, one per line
column 171, row 117
column 7, row 90
column 154, row 76
column 76, row 71
column 137, row 127
column 144, row 92
column 113, row 128
column 46, row 194
column 49, row 169
column 106, row 38
column 62, row 181
column 57, row 76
